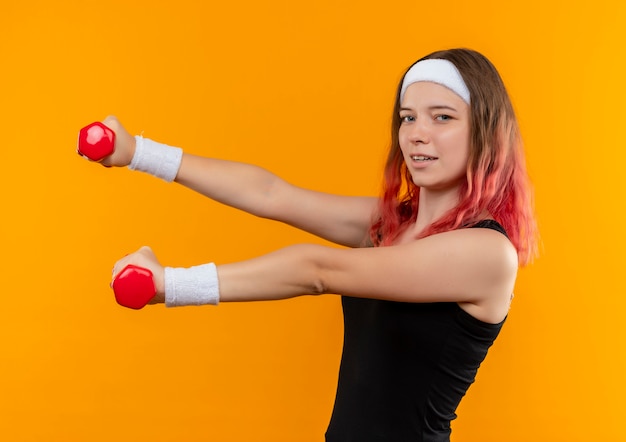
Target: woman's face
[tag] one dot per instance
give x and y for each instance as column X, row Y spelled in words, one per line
column 434, row 135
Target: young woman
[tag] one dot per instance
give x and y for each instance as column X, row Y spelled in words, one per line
column 428, row 275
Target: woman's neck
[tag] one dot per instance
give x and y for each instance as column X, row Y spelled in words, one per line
column 433, row 204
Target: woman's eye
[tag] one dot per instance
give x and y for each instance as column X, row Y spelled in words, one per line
column 443, row 117
column 407, row 118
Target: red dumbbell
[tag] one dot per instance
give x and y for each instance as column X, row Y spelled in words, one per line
column 134, row 287
column 96, row 141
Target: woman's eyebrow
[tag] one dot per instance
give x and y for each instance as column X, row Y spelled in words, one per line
column 442, row 106
column 433, row 107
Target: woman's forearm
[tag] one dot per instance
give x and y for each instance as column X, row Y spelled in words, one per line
column 243, row 186
column 286, row 273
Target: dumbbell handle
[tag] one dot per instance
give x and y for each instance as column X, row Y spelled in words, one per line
column 134, row 287
column 96, row 141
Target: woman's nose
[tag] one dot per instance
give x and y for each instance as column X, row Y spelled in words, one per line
column 419, row 132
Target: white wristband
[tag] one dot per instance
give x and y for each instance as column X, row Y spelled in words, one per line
column 157, row 159
column 196, row 285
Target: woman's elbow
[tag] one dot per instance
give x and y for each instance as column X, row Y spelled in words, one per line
column 312, row 267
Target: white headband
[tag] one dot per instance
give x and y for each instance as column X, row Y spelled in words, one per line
column 438, row 71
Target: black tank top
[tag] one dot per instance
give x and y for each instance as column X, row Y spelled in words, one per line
column 405, row 367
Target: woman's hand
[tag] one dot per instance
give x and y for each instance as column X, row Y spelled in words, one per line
column 124, row 144
column 145, row 257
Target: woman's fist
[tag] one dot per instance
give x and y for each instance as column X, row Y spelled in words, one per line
column 144, row 258
column 124, row 144
column 107, row 143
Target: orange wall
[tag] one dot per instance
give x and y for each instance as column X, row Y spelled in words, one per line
column 304, row 89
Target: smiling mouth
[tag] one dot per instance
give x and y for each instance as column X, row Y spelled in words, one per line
column 420, row 158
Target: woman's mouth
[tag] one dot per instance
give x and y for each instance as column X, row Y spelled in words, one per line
column 421, row 158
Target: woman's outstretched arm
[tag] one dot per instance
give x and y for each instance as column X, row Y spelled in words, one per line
column 473, row 267
column 344, row 220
